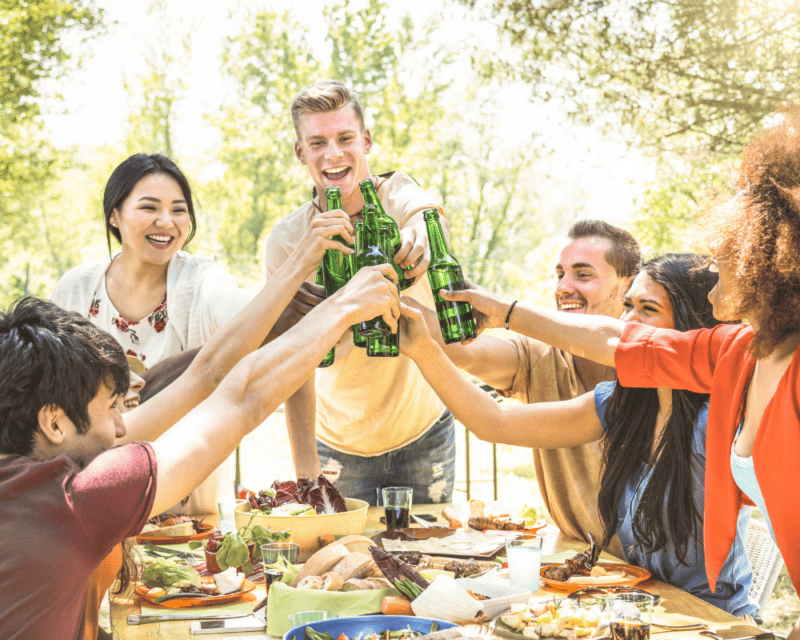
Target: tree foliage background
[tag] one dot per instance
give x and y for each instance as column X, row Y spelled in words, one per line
column 690, row 81
column 687, row 82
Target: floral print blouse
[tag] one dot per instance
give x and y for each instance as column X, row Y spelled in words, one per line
column 145, row 339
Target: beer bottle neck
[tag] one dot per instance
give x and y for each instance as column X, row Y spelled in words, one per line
column 370, row 195
column 436, row 240
column 334, row 198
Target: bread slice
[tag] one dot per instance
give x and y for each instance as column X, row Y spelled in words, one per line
column 321, row 562
column 356, row 543
column 354, row 565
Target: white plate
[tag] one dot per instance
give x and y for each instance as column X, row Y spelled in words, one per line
column 501, row 596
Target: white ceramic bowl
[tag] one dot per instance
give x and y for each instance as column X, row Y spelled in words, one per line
column 501, row 596
column 306, row 530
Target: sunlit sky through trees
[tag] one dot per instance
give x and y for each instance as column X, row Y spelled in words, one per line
column 97, row 105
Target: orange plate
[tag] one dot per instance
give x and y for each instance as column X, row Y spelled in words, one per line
column 541, row 523
column 635, row 575
column 209, row 601
column 152, row 536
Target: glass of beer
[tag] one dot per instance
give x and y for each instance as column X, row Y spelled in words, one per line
column 397, row 506
column 629, row 616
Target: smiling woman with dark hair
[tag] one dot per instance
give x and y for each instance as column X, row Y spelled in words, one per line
column 153, row 297
column 654, row 440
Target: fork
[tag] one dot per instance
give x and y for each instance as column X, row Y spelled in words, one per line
column 163, row 552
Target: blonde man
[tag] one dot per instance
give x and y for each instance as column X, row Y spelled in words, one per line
column 366, row 422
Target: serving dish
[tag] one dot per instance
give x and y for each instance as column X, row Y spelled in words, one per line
column 501, row 596
column 153, row 536
column 306, row 530
column 429, row 541
column 634, row 575
column 365, row 625
column 207, row 601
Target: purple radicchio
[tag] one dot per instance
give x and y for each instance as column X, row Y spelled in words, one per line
column 325, row 498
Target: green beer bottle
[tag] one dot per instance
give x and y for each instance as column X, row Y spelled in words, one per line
column 444, row 272
column 354, row 267
column 335, row 264
column 370, row 196
column 388, row 346
column 329, row 358
column 372, row 254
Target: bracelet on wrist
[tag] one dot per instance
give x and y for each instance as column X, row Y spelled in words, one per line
column 510, row 309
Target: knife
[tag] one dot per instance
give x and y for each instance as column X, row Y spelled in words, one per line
column 421, row 522
column 135, row 619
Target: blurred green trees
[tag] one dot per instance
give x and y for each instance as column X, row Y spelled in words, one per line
column 33, row 56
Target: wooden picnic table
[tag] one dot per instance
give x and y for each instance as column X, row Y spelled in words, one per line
column 679, row 606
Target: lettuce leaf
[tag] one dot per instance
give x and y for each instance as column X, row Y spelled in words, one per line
column 167, row 573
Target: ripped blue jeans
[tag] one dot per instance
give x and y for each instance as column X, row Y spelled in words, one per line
column 427, row 465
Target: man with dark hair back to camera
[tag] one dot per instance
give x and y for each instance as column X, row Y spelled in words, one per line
column 366, row 422
column 66, row 498
column 594, row 271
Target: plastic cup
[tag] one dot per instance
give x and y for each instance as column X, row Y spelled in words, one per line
column 305, row 617
column 397, row 506
column 524, row 555
column 629, row 616
column 289, row 551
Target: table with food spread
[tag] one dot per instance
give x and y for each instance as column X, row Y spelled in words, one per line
column 352, row 575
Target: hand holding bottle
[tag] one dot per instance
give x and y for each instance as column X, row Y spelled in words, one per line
column 414, row 253
column 414, row 333
column 370, row 293
column 319, row 235
column 490, row 309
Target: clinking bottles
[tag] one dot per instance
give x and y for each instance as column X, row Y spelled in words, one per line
column 371, row 254
column 354, row 267
column 331, row 355
column 444, row 272
column 335, row 270
column 370, row 196
column 389, row 345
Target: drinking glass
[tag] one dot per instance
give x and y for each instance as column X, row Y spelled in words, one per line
column 227, row 520
column 289, row 551
column 304, row 617
column 524, row 555
column 397, row 506
column 629, row 616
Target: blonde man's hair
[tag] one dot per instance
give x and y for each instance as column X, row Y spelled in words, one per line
column 324, row 96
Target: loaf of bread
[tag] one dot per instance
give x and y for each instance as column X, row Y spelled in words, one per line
column 321, row 562
column 354, row 565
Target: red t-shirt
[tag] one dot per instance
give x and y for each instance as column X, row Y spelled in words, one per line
column 717, row 361
column 57, row 523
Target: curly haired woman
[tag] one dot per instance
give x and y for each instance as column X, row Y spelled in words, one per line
column 751, row 371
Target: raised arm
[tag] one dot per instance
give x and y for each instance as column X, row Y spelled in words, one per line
column 491, row 359
column 204, row 438
column 242, row 335
column 589, row 336
column 542, row 425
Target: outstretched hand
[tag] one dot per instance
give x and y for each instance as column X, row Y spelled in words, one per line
column 413, row 328
column 317, row 238
column 489, row 309
column 414, row 252
column 373, row 292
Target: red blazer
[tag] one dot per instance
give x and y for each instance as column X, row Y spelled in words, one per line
column 716, row 361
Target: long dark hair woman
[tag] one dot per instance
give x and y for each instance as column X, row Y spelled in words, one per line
column 652, row 491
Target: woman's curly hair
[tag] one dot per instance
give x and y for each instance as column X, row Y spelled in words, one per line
column 757, row 231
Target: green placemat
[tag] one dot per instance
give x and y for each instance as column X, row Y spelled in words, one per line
column 284, row 600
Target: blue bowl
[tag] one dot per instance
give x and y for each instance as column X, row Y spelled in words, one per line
column 365, row 625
